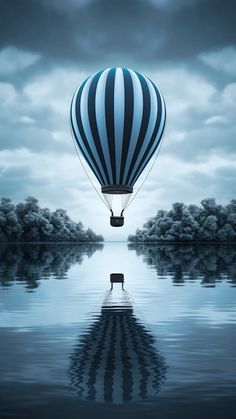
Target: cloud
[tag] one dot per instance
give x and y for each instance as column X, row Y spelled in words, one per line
column 229, row 94
column 216, row 120
column 101, row 32
column 200, row 117
column 63, row 43
column 36, row 115
column 170, row 4
column 197, row 145
column 184, row 90
column 14, row 180
column 26, row 120
column 8, row 94
column 41, row 171
column 66, row 7
column 54, row 89
column 173, row 181
column 13, row 60
column 57, row 180
column 221, row 60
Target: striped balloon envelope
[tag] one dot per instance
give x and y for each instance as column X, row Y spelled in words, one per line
column 117, row 118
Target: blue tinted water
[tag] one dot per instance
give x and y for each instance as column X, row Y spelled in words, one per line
column 163, row 346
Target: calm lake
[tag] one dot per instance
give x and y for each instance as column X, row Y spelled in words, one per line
column 162, row 344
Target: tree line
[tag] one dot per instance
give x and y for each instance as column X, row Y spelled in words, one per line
column 29, row 263
column 209, row 264
column 27, row 222
column 208, row 222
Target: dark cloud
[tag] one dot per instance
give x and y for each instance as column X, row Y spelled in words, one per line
column 109, row 32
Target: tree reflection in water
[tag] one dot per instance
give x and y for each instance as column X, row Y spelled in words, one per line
column 208, row 263
column 30, row 263
column 116, row 360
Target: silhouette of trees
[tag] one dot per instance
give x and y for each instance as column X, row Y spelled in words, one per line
column 208, row 222
column 31, row 263
column 206, row 263
column 28, row 222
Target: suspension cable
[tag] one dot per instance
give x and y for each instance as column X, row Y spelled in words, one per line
column 158, row 151
column 90, row 180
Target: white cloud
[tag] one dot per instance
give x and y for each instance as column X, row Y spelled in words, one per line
column 24, row 119
column 229, row 94
column 221, row 60
column 13, row 60
column 55, row 89
column 216, row 119
column 41, row 108
column 200, row 117
column 183, row 90
column 8, row 94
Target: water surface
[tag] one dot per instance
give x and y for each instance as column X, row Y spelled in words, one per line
column 160, row 344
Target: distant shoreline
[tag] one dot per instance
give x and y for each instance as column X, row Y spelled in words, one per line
column 183, row 242
column 51, row 242
column 122, row 241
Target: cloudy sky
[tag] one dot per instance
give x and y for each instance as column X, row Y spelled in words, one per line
column 48, row 47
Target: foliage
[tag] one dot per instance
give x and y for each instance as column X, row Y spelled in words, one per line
column 208, row 222
column 28, row 222
column 30, row 263
column 208, row 263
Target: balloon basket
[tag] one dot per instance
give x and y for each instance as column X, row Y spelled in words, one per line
column 116, row 221
column 116, row 278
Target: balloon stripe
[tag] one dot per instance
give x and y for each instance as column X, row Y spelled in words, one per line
column 101, row 120
column 129, row 113
column 151, row 124
column 156, row 137
column 150, row 154
column 93, row 122
column 144, row 124
column 86, row 124
column 109, row 113
column 119, row 116
column 86, row 158
column 80, row 137
column 137, row 118
column 117, row 119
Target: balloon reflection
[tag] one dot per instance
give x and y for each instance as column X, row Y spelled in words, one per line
column 116, row 359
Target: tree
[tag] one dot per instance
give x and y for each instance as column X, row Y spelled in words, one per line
column 226, row 233
column 10, row 227
column 28, row 222
column 208, row 229
column 208, row 222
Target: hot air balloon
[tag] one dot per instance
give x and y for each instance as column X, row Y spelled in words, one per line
column 117, row 120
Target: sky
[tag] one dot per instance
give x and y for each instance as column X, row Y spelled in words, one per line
column 47, row 49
